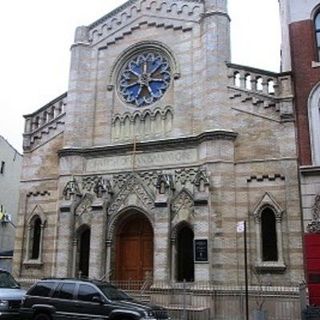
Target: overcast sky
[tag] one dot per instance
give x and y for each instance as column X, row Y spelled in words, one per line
column 36, row 37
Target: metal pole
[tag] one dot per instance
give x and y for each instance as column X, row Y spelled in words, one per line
column 246, row 270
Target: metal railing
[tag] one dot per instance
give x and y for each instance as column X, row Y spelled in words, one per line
column 203, row 301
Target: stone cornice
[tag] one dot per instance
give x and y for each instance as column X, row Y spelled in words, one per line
column 154, row 145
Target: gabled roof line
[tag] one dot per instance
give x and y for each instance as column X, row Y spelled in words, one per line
column 112, row 13
column 123, row 7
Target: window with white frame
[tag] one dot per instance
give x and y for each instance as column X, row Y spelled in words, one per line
column 317, row 32
column 314, row 124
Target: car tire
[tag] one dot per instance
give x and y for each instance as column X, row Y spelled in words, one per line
column 41, row 316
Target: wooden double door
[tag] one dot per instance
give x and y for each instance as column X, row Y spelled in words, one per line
column 134, row 249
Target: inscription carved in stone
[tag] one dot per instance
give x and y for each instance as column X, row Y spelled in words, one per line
column 142, row 160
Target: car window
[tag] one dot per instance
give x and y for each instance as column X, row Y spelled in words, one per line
column 7, row 281
column 65, row 291
column 42, row 289
column 86, row 292
column 113, row 293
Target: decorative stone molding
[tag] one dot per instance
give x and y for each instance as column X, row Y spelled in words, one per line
column 141, row 124
column 169, row 144
column 314, row 225
column 164, row 182
column 201, row 180
column 266, row 177
column 185, row 175
column 90, row 193
column 71, row 190
column 84, row 205
column 37, row 211
column 164, row 186
column 267, row 201
column 182, row 207
column 38, row 193
column 132, row 188
column 201, row 188
column 183, row 10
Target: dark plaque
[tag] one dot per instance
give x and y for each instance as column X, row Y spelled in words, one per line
column 201, row 250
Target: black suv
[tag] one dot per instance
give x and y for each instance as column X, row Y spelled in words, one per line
column 52, row 299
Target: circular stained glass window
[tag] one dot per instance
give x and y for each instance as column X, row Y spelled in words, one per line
column 144, row 79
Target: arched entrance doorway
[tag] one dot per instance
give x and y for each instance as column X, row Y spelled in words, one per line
column 185, row 259
column 84, row 252
column 134, row 248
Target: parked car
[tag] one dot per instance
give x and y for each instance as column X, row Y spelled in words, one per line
column 51, row 299
column 10, row 296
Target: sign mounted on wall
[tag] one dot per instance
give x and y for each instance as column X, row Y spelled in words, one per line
column 201, row 250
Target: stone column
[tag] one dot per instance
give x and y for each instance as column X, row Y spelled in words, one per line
column 81, row 92
column 64, row 262
column 279, row 240
column 108, row 260
column 161, row 263
column 173, row 260
column 74, row 256
column 97, row 240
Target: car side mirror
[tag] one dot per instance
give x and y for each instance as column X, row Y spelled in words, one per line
column 97, row 299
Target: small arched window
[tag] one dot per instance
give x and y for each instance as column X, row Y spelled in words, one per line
column 35, row 238
column 317, row 32
column 269, row 245
column 185, row 260
column 269, row 236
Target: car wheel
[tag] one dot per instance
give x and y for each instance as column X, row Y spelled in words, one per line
column 41, row 316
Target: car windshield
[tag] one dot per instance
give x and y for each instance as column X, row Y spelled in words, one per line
column 113, row 293
column 7, row 281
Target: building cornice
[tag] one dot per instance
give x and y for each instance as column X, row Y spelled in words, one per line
column 154, row 145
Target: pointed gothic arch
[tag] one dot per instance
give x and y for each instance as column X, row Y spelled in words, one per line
column 133, row 245
column 182, row 238
column 34, row 244
column 268, row 216
column 83, row 235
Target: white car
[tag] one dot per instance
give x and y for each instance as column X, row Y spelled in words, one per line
column 10, row 296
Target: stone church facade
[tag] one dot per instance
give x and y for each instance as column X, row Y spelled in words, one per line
column 158, row 149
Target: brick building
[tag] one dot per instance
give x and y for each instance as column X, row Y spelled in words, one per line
column 301, row 43
column 158, row 148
